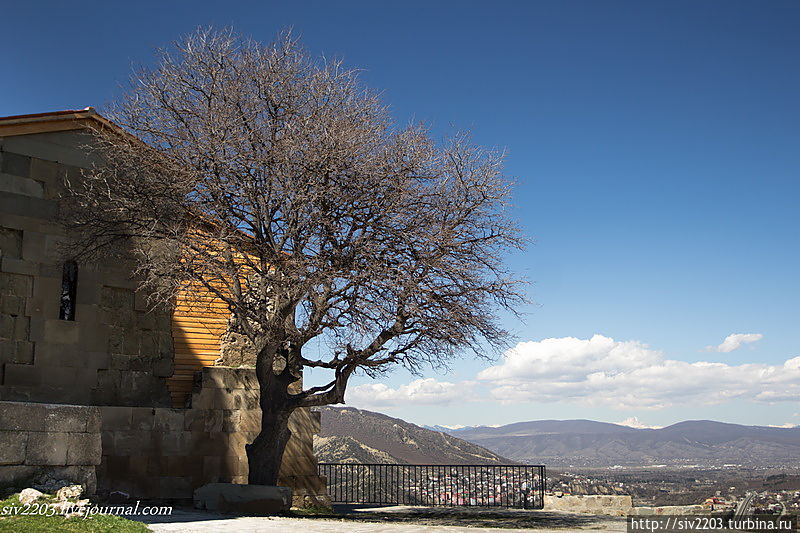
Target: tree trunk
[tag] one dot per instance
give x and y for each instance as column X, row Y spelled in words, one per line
column 265, row 454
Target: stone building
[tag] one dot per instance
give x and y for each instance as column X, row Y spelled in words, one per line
column 94, row 387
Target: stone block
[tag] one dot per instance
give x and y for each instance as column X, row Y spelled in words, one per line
column 98, row 360
column 304, row 422
column 7, row 326
column 184, row 465
column 237, row 442
column 220, row 377
column 119, row 361
column 201, row 399
column 84, row 449
column 88, row 314
column 115, row 336
column 22, row 330
column 194, row 419
column 142, row 418
column 16, row 164
column 22, row 375
column 139, row 467
column 116, row 298
column 231, row 420
column 115, row 418
column 61, row 331
column 12, row 475
column 130, row 340
column 28, row 206
column 254, row 500
column 41, row 146
column 248, row 399
column 163, row 367
column 176, row 443
column 40, row 309
column 34, row 247
column 202, row 443
column 169, row 419
column 66, row 418
column 175, row 487
column 29, row 222
column 21, row 416
column 47, row 171
column 12, row 305
column 145, row 321
column 250, row 420
column 16, row 284
column 19, row 266
column 47, row 449
column 140, row 303
column 132, row 442
column 12, row 447
column 212, row 466
column 233, row 465
column 117, row 467
column 11, row 242
column 213, row 422
column 89, row 293
column 20, row 185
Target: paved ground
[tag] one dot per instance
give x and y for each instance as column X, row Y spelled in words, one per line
column 390, row 520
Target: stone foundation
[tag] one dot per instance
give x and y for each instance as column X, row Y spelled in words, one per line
column 164, row 453
column 37, row 441
column 155, row 452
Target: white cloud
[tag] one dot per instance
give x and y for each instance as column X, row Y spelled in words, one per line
column 426, row 391
column 630, row 375
column 634, row 422
column 735, row 341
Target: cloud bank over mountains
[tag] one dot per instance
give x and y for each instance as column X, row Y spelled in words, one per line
column 427, row 391
column 600, row 372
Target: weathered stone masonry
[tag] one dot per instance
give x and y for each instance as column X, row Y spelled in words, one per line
column 61, row 441
column 114, row 352
column 167, row 453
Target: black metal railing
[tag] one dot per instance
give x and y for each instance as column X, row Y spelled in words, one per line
column 456, row 485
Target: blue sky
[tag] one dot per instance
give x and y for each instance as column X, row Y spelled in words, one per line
column 656, row 148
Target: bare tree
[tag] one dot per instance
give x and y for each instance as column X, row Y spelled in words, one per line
column 281, row 185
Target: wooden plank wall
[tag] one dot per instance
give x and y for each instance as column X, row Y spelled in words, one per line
column 198, row 322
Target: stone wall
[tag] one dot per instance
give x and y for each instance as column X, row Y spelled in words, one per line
column 602, row 505
column 167, row 453
column 114, row 352
column 44, row 440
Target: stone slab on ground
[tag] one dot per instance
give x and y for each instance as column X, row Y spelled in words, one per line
column 253, row 500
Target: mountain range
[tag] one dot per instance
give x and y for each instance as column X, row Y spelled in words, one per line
column 350, row 435
column 588, row 443
column 355, row 435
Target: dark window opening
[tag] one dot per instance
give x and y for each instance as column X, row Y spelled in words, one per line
column 69, row 288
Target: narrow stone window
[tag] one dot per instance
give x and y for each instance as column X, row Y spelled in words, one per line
column 69, row 288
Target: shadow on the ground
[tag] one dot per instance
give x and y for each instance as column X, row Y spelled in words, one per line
column 426, row 516
column 471, row 517
column 182, row 514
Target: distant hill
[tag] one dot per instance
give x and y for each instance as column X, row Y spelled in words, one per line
column 358, row 436
column 589, row 443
